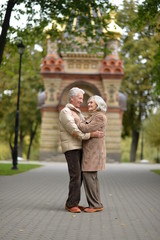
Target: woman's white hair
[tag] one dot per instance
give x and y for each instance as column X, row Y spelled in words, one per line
column 101, row 104
column 73, row 92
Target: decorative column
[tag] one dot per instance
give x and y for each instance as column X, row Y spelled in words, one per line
column 52, row 65
column 112, row 74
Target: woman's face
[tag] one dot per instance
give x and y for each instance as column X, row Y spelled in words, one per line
column 91, row 105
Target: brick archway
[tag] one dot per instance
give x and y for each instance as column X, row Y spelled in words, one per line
column 89, row 89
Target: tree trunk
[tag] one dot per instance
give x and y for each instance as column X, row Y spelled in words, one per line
column 29, row 147
column 32, row 135
column 5, row 26
column 158, row 157
column 11, row 147
column 134, row 145
column 20, row 152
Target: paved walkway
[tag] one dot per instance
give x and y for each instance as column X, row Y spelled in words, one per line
column 32, row 205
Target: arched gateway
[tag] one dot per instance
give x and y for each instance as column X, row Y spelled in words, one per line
column 93, row 73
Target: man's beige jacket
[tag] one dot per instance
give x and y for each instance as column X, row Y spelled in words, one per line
column 68, row 128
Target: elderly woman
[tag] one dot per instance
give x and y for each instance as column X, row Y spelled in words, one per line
column 94, row 151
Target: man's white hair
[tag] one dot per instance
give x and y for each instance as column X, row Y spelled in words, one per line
column 101, row 104
column 73, row 92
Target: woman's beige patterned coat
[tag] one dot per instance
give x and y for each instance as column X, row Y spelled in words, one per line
column 94, row 149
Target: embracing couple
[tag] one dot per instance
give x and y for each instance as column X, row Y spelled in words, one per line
column 83, row 143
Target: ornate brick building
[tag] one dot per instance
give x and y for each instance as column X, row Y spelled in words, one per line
column 93, row 73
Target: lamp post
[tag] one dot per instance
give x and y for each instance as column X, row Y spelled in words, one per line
column 142, row 142
column 142, row 119
column 21, row 48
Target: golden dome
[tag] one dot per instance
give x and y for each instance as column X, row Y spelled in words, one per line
column 112, row 27
column 54, row 24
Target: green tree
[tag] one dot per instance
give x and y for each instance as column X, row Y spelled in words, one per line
column 31, row 83
column 39, row 13
column 138, row 48
column 152, row 130
column 149, row 16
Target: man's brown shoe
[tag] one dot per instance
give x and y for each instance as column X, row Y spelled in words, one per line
column 92, row 210
column 73, row 209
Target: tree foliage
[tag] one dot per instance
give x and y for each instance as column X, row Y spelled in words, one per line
column 152, row 129
column 149, row 17
column 39, row 13
column 31, row 83
column 138, row 49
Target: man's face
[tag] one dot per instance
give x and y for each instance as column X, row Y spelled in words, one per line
column 76, row 101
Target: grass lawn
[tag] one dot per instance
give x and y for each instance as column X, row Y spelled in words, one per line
column 156, row 171
column 5, row 168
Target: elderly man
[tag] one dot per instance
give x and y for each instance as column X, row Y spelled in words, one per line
column 71, row 142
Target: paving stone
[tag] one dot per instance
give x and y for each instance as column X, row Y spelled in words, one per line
column 32, row 205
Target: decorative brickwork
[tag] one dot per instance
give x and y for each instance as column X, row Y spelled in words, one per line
column 111, row 66
column 52, row 64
